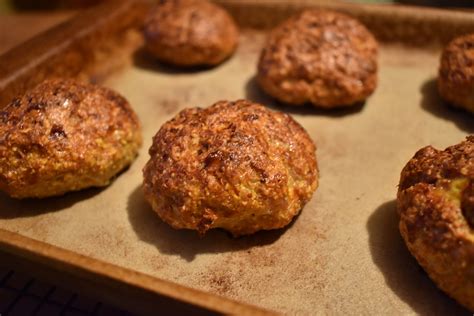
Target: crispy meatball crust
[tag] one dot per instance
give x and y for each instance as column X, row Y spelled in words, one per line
column 456, row 73
column 436, row 207
column 190, row 33
column 322, row 57
column 65, row 136
column 235, row 165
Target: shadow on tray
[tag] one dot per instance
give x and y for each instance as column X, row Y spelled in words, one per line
column 253, row 92
column 432, row 103
column 143, row 60
column 186, row 243
column 402, row 273
column 14, row 208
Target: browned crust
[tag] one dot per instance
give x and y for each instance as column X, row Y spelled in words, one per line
column 235, row 165
column 322, row 57
column 64, row 136
column 435, row 203
column 190, row 33
column 456, row 73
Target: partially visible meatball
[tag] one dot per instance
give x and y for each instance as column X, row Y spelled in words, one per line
column 65, row 136
column 456, row 73
column 234, row 165
column 436, row 207
column 321, row 57
column 190, row 33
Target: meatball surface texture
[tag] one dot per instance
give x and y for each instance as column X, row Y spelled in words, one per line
column 456, row 73
column 190, row 33
column 234, row 165
column 436, row 207
column 320, row 57
column 65, row 136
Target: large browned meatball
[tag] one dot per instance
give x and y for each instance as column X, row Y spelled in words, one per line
column 235, row 165
column 436, row 206
column 321, row 57
column 456, row 73
column 65, row 136
column 190, row 33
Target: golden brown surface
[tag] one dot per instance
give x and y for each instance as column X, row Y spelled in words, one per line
column 436, row 206
column 235, row 165
column 322, row 57
column 65, row 136
column 456, row 73
column 190, row 33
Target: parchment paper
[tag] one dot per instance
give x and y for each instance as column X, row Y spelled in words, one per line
column 342, row 255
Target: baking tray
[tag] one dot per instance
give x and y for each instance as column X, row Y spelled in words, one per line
column 342, row 255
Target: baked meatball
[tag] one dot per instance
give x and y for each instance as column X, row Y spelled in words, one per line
column 436, row 207
column 65, row 136
column 235, row 165
column 321, row 57
column 190, row 33
column 456, row 73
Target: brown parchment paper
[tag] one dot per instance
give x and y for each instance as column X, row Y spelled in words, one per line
column 342, row 255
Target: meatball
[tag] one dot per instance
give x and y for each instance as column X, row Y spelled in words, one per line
column 234, row 165
column 65, row 136
column 190, row 33
column 456, row 73
column 321, row 57
column 436, row 207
